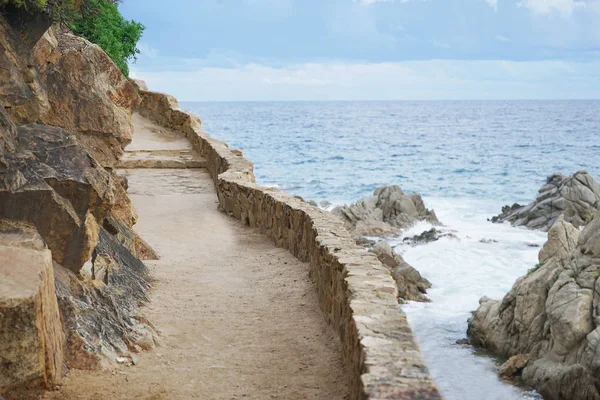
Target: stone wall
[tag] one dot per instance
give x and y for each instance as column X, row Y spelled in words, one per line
column 357, row 294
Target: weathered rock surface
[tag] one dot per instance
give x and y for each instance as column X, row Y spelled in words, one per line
column 87, row 93
column 68, row 82
column 388, row 211
column 552, row 316
column 31, row 337
column 577, row 198
column 513, row 366
column 100, row 313
column 411, row 285
column 54, row 184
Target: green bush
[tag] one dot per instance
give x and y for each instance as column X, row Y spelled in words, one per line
column 100, row 22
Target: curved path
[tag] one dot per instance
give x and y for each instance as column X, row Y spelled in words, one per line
column 238, row 317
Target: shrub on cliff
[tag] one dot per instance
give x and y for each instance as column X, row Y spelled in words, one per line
column 100, row 22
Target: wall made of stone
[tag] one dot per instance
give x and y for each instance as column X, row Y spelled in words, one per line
column 356, row 293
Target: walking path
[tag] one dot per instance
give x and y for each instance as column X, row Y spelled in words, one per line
column 238, row 317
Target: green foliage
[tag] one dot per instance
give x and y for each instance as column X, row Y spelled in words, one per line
column 100, row 22
column 557, row 273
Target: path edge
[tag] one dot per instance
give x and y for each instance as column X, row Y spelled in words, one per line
column 356, row 292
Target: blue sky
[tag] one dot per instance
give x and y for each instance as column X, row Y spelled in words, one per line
column 369, row 49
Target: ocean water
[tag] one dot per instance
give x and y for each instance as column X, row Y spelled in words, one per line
column 467, row 159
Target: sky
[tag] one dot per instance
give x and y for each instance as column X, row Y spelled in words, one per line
column 271, row 50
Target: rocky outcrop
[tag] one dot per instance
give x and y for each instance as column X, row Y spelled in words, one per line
column 64, row 119
column 88, row 95
column 577, row 198
column 411, row 285
column 428, row 236
column 31, row 337
column 100, row 311
column 67, row 82
column 551, row 316
column 388, row 211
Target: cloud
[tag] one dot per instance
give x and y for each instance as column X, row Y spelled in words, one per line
column 409, row 80
column 493, row 4
column 546, row 7
column 501, row 38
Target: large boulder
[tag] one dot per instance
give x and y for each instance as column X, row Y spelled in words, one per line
column 53, row 183
column 68, row 82
column 552, row 316
column 87, row 93
column 31, row 337
column 411, row 285
column 388, row 211
column 577, row 198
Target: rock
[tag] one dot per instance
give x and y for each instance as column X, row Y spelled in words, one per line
column 325, row 204
column 429, row 236
column 88, row 95
column 463, row 341
column 21, row 91
column 31, row 336
column 8, row 133
column 411, row 285
column 54, row 184
column 552, row 315
column 101, row 317
column 387, row 212
column 513, row 366
column 576, row 197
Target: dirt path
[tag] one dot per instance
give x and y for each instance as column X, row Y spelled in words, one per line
column 238, row 317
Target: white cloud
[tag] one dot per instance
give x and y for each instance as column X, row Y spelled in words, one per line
column 501, row 38
column 493, row 4
column 369, row 2
column 545, row 7
column 410, row 80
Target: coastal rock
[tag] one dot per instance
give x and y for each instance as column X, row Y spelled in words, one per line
column 88, row 95
column 54, row 184
column 31, row 337
column 576, row 197
column 552, row 315
column 388, row 211
column 431, row 235
column 513, row 366
column 21, row 91
column 411, row 285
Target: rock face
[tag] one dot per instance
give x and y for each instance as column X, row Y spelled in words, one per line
column 577, row 198
column 87, row 93
column 411, row 285
column 54, row 184
column 387, row 212
column 552, row 315
column 67, row 82
column 64, row 119
column 31, row 337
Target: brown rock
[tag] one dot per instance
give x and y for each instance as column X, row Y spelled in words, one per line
column 87, row 93
column 513, row 365
column 63, row 196
column 31, row 336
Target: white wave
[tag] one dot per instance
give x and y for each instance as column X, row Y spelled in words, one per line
column 462, row 271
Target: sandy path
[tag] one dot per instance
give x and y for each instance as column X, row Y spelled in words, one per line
column 238, row 317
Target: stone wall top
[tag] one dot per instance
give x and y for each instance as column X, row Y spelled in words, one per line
column 356, row 293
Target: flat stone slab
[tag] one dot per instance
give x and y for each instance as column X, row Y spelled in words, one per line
column 172, row 159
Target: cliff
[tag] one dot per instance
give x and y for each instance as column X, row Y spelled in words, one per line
column 71, row 278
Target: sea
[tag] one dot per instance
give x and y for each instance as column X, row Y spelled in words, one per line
column 466, row 158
